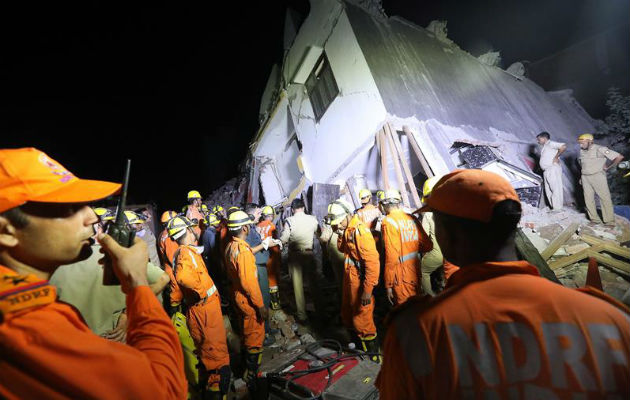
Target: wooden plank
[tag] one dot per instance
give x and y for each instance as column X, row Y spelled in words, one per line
column 559, row 241
column 618, row 266
column 414, row 145
column 382, row 149
column 397, row 169
column 609, row 246
column 577, row 257
column 405, row 166
column 529, row 253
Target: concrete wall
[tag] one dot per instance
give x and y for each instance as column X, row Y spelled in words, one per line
column 348, row 124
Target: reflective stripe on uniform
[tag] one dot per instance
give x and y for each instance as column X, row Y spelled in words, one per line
column 212, row 290
column 409, row 256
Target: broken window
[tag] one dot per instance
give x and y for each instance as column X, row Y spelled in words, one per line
column 321, row 87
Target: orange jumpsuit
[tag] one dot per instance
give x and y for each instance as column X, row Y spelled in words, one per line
column 241, row 268
column 168, row 247
column 361, row 270
column 48, row 352
column 204, row 317
column 499, row 330
column 268, row 229
column 404, row 240
column 194, row 213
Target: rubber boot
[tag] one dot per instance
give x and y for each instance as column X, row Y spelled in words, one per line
column 274, row 295
column 253, row 358
column 214, row 393
column 370, row 345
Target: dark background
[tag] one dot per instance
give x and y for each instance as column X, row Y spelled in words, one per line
column 176, row 86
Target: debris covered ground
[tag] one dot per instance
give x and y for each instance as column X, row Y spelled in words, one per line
column 607, row 243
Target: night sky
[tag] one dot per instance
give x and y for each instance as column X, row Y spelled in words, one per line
column 177, row 87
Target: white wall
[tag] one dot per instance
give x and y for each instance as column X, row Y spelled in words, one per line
column 349, row 124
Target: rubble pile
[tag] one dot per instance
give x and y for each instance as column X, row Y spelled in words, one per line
column 566, row 239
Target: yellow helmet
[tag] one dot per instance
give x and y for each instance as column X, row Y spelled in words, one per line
column 167, row 216
column 212, row 220
column 585, row 136
column 204, row 208
column 217, row 209
column 104, row 214
column 193, row 194
column 232, row 210
column 338, row 210
column 391, row 196
column 363, row 193
column 177, row 227
column 267, row 210
column 133, row 218
column 428, row 186
column 379, row 195
column 238, row 218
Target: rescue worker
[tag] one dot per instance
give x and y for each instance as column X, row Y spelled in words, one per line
column 261, row 253
column 137, row 222
column 500, row 330
column 167, row 248
column 47, row 350
column 404, row 240
column 298, row 233
column 550, row 152
column 433, row 259
column 368, row 213
column 241, row 268
column 102, row 307
column 211, row 249
column 266, row 228
column 593, row 159
column 218, row 211
column 193, row 212
column 203, row 310
column 328, row 239
column 361, row 271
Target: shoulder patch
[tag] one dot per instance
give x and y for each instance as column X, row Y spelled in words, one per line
column 19, row 292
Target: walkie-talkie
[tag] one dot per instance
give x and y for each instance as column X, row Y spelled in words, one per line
column 119, row 230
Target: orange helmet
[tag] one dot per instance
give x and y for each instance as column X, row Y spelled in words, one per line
column 167, row 216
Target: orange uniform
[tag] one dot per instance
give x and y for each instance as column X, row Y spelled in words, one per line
column 48, row 352
column 194, row 213
column 369, row 215
column 204, row 317
column 241, row 268
column 268, row 229
column 501, row 331
column 361, row 270
column 168, row 247
column 404, row 240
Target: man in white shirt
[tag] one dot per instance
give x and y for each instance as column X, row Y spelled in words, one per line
column 552, row 170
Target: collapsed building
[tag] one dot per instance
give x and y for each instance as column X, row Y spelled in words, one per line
column 362, row 99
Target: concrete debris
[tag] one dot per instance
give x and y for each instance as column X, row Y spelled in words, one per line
column 542, row 226
column 517, row 69
column 307, row 338
column 438, row 28
column 292, row 344
column 287, row 330
column 491, row 58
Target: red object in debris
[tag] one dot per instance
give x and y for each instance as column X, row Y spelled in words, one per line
column 592, row 275
column 316, row 381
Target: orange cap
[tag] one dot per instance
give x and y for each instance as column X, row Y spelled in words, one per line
column 29, row 174
column 470, row 194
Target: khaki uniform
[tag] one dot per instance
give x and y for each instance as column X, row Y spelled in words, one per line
column 594, row 181
column 298, row 235
column 552, row 174
column 329, row 237
column 433, row 259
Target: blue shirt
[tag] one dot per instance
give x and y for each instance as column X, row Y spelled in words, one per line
column 209, row 242
column 254, row 239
